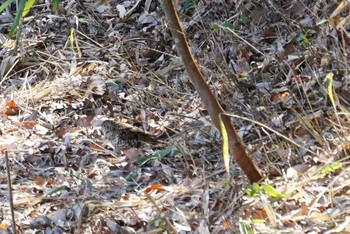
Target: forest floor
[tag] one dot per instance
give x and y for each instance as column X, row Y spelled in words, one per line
column 280, row 68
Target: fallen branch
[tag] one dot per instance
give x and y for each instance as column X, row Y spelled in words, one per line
column 214, row 108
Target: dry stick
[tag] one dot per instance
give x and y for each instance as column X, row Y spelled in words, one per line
column 214, row 108
column 10, row 193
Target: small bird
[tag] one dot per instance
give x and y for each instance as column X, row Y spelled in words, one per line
column 124, row 137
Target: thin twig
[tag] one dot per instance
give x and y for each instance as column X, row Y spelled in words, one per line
column 10, row 193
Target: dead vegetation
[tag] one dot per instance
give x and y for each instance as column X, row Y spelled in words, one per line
column 279, row 67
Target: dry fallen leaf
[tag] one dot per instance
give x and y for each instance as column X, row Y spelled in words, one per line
column 156, row 187
column 132, row 154
column 11, row 109
column 27, row 124
column 39, row 181
column 84, row 121
column 279, row 97
column 3, row 226
column 7, row 64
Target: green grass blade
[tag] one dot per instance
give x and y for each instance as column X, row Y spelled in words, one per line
column 225, row 148
column 330, row 168
column 27, row 8
column 55, row 5
column 17, row 18
column 272, row 192
column 160, row 154
column 245, row 228
column 329, row 77
column 71, row 37
column 5, row 4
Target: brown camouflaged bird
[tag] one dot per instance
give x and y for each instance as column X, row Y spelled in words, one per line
column 124, row 137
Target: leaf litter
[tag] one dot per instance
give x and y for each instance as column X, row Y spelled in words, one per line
column 267, row 62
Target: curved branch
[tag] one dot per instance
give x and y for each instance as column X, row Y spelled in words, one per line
column 214, row 108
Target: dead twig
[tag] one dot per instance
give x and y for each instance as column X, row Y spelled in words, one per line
column 10, row 193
